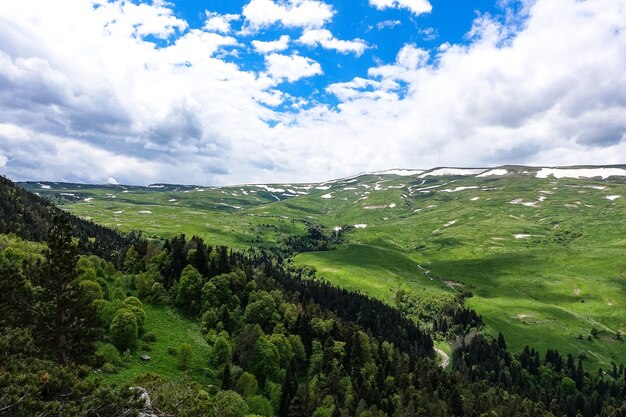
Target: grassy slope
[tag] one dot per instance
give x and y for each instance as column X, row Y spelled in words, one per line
column 171, row 330
column 529, row 288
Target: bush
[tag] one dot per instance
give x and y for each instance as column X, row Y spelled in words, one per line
column 172, row 351
column 184, row 356
column 107, row 353
column 124, row 329
column 109, row 368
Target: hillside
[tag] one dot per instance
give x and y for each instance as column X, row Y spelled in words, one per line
column 541, row 249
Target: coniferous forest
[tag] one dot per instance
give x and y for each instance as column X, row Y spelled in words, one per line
column 75, row 300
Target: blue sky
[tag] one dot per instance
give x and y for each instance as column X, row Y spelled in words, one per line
column 245, row 91
column 384, row 30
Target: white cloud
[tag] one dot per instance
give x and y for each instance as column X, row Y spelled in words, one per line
column 549, row 91
column 291, row 13
column 112, row 181
column 409, row 59
column 387, row 24
column 220, row 23
column 3, row 160
column 264, row 47
column 323, row 37
column 416, row 7
column 291, row 68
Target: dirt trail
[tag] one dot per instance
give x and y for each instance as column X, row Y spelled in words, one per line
column 445, row 359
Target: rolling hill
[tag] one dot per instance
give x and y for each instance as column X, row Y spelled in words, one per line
column 542, row 250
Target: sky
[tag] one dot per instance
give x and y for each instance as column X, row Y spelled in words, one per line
column 216, row 92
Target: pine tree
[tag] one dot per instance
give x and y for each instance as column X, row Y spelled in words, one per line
column 64, row 323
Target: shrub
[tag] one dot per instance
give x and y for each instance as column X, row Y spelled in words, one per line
column 124, row 329
column 107, row 353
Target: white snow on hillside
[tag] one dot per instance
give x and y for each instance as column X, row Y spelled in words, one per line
column 329, row 195
column 612, row 197
column 400, row 172
column 581, row 172
column 494, row 172
column 271, row 189
column 452, row 171
column 360, row 226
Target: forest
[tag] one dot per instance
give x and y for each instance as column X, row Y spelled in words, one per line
column 74, row 309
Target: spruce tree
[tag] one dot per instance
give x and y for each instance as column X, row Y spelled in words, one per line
column 64, row 324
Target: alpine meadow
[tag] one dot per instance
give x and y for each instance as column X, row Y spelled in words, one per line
column 312, row 208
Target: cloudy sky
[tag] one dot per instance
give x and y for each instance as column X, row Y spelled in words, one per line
column 243, row 91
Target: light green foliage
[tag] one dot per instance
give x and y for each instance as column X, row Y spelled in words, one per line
column 188, row 289
column 322, row 327
column 297, row 347
column 222, row 350
column 265, row 363
column 247, row 385
column 261, row 310
column 260, row 406
column 124, row 329
column 217, row 292
column 107, row 353
column 90, row 291
column 135, row 306
column 185, row 353
column 230, row 404
column 284, row 348
column 144, row 283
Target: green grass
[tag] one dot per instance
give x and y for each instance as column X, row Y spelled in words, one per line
column 171, row 330
column 530, row 289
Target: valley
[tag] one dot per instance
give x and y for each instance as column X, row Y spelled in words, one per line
column 541, row 250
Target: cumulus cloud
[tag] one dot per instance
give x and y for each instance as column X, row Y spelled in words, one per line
column 547, row 89
column 216, row 22
column 416, row 7
column 291, row 13
column 323, row 37
column 264, row 47
column 291, row 67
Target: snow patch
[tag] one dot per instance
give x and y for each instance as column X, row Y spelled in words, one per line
column 581, row 172
column 474, row 198
column 329, row 195
column 119, row 212
column 452, row 171
column 44, row 186
column 522, row 236
column 88, row 199
column 360, row 226
column 400, row 172
column 171, row 200
column 612, row 197
column 450, row 223
column 493, row 172
column 144, row 212
column 323, row 188
column 271, row 189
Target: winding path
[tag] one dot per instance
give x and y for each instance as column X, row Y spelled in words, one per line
column 445, row 359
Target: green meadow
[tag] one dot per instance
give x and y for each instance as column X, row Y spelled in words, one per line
column 544, row 258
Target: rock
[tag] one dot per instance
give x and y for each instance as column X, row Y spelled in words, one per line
column 145, row 358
